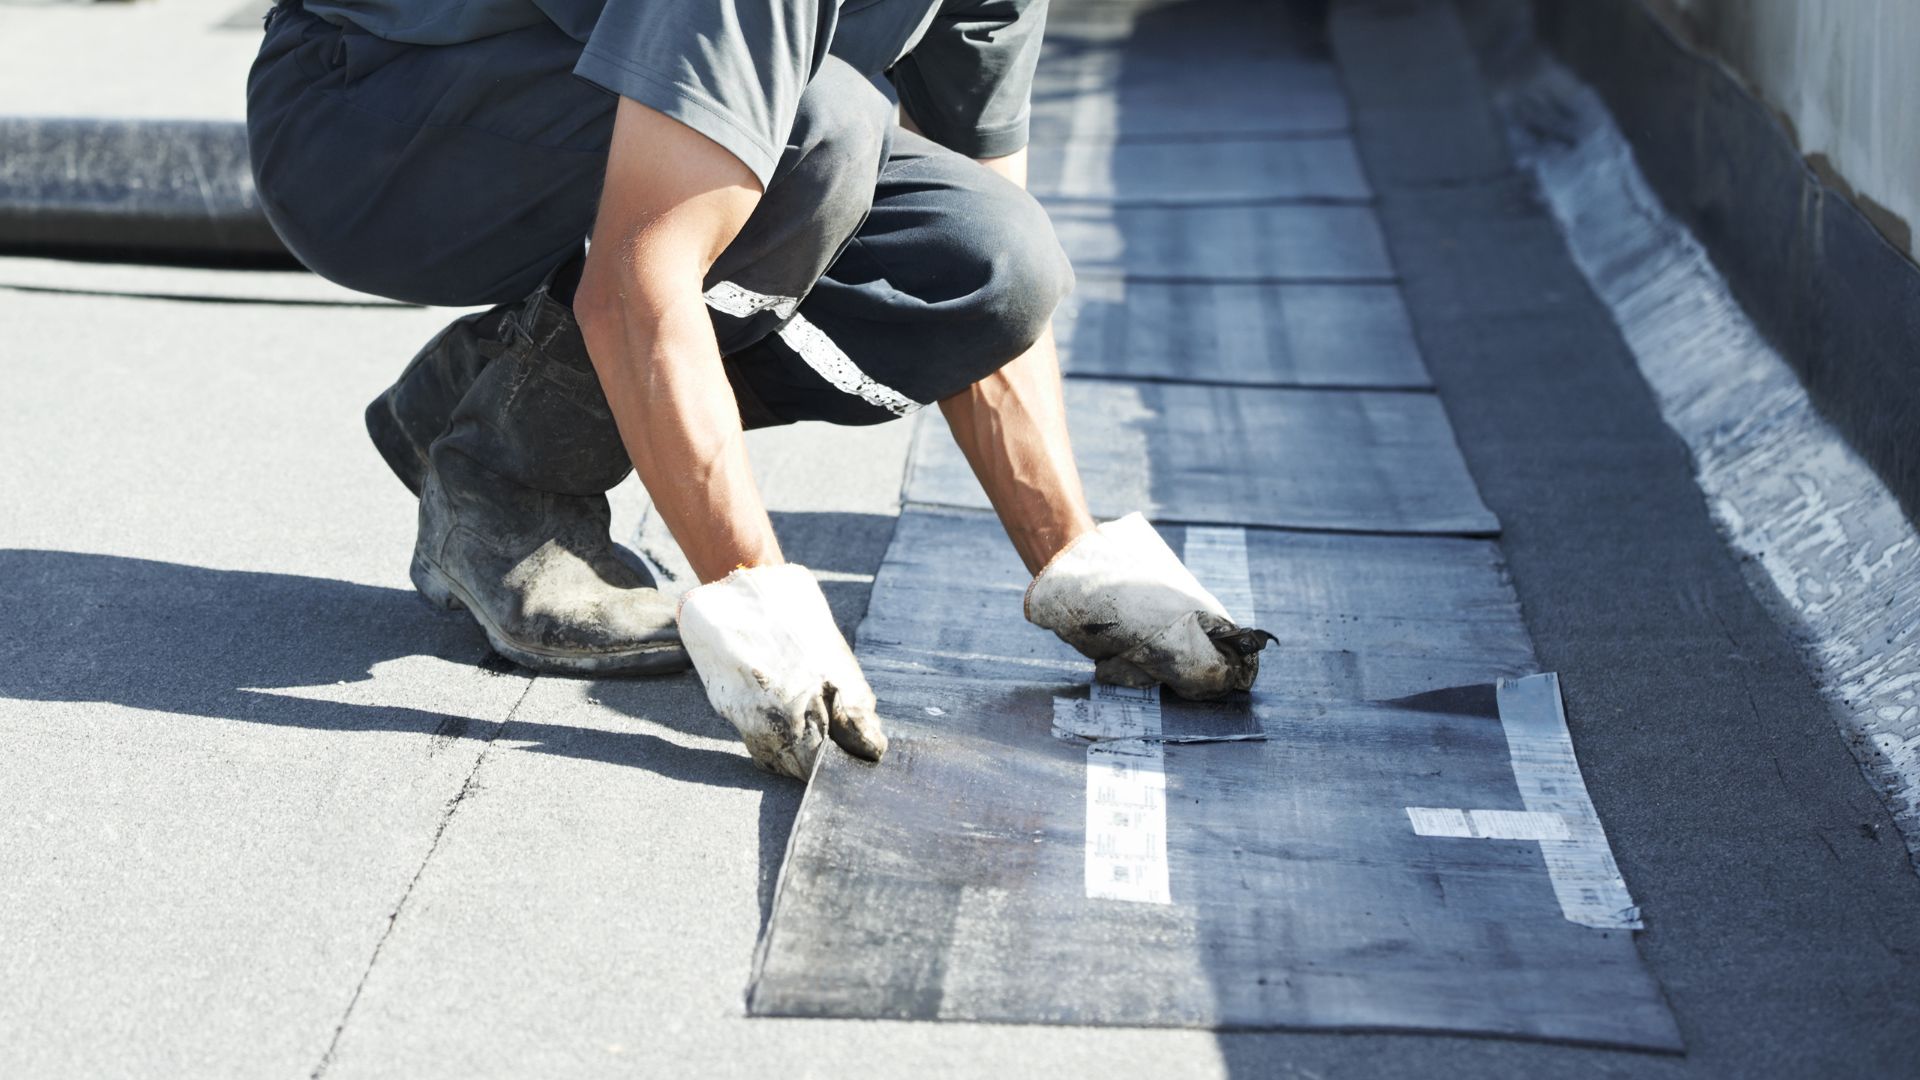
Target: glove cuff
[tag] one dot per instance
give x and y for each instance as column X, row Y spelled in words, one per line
column 765, row 578
column 1093, row 534
column 1120, row 576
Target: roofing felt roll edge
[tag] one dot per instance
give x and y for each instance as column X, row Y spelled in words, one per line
column 180, row 189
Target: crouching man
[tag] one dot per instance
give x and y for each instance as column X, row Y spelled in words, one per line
column 767, row 244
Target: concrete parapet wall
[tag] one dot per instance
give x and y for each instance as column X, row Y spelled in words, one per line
column 1818, row 276
column 1843, row 78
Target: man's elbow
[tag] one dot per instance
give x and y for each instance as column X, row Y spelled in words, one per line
column 633, row 313
column 598, row 308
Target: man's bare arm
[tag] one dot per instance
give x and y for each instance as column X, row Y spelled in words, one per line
column 1013, row 166
column 762, row 639
column 673, row 200
column 1012, row 427
column 1120, row 595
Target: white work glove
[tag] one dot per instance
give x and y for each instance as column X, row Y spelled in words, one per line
column 775, row 665
column 1123, row 598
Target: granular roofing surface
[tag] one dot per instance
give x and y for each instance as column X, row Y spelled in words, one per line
column 272, row 816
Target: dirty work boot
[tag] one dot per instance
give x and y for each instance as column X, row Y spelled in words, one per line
column 416, row 409
column 514, row 517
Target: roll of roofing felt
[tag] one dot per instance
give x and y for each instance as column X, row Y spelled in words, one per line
column 175, row 189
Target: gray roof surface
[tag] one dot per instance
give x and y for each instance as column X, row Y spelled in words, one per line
column 269, row 815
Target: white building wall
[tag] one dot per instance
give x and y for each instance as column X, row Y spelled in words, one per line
column 1845, row 72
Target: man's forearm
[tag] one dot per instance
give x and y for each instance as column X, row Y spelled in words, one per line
column 681, row 425
column 1012, row 427
column 672, row 201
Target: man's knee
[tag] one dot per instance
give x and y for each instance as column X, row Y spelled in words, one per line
column 1012, row 275
column 834, row 154
column 1026, row 273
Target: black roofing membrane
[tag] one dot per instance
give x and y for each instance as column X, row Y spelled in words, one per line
column 1256, row 334
column 1032, row 850
column 1311, row 459
column 1250, row 169
column 951, row 882
column 1283, row 242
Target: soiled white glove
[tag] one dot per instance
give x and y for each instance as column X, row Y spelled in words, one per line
column 1123, row 598
column 775, row 665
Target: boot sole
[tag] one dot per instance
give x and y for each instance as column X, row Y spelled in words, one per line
column 406, row 458
column 653, row 659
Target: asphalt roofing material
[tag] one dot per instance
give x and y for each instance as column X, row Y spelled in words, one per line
column 287, row 825
column 1792, row 496
column 126, row 187
column 1357, row 618
column 957, row 882
column 1359, row 461
column 1370, row 840
column 1161, row 173
column 1165, row 65
column 1272, row 242
column 1269, row 334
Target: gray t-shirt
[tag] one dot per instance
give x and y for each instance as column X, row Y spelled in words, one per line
column 734, row 70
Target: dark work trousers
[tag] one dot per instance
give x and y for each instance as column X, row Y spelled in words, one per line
column 878, row 273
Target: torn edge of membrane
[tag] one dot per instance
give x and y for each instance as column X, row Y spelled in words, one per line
column 1100, row 718
column 1586, row 880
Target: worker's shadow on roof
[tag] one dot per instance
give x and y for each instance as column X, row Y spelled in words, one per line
column 171, row 638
